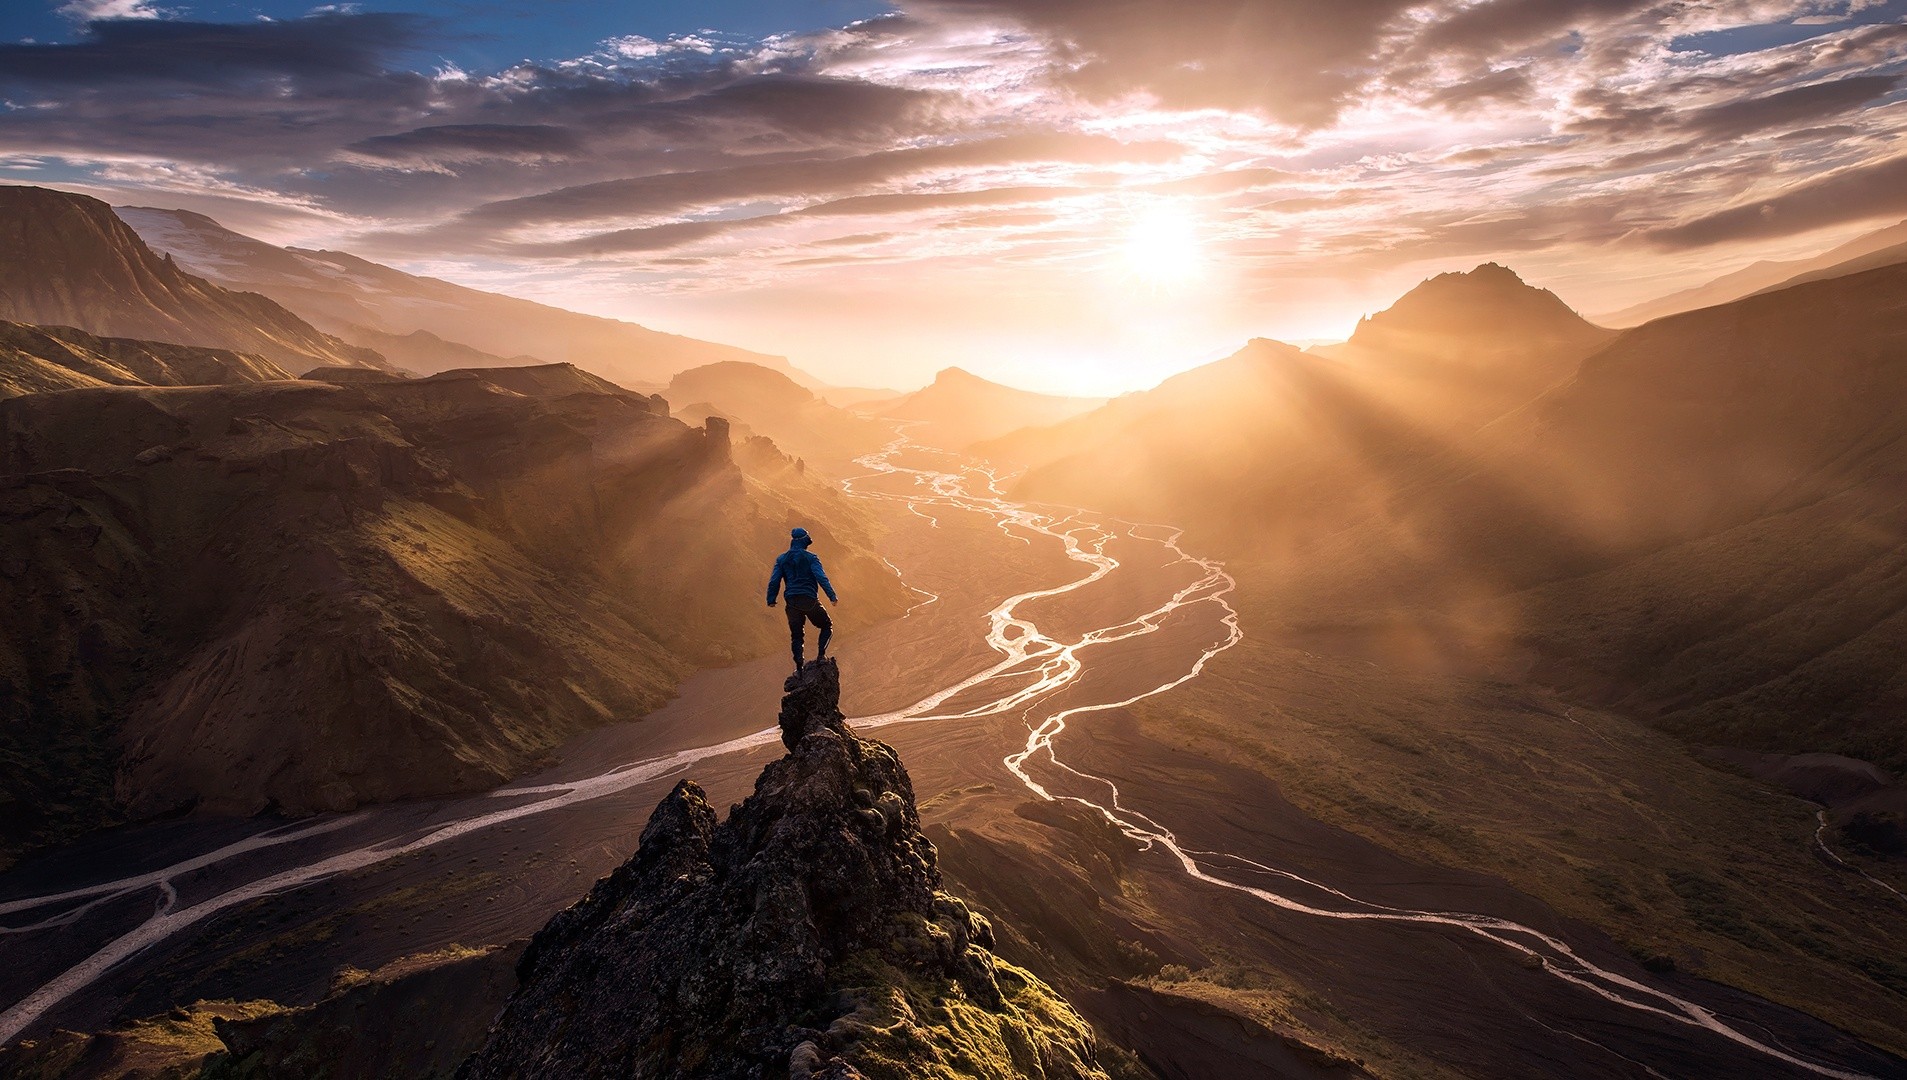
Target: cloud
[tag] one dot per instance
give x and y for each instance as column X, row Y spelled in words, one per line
column 1786, row 108
column 1506, row 85
column 678, row 234
column 133, row 50
column 1861, row 192
column 992, row 145
column 85, row 11
column 472, row 142
column 1620, row 116
column 674, row 192
column 1495, row 27
column 1296, row 61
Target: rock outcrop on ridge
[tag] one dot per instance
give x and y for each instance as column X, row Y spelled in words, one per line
column 806, row 936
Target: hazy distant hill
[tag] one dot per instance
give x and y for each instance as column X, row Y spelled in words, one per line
column 39, row 358
column 1273, row 445
column 306, row 596
column 770, row 403
column 1892, row 255
column 1229, row 426
column 959, row 408
column 374, row 305
column 67, row 260
column 1861, row 253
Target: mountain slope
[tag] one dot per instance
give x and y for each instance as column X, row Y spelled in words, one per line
column 1748, row 460
column 307, row 596
column 1861, row 253
column 66, row 260
column 374, row 305
column 40, row 358
column 1892, row 255
column 804, row 936
column 959, row 408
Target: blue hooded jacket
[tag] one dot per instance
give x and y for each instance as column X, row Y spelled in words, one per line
column 800, row 569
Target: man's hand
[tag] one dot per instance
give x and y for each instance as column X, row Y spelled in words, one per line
column 771, row 603
column 833, row 602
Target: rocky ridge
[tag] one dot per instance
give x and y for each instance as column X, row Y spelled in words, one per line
column 425, row 324
column 805, row 936
column 67, row 260
column 34, row 359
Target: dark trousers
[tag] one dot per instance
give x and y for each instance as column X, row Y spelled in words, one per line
column 808, row 609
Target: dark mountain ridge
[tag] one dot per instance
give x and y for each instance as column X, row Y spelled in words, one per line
column 67, row 260
column 1745, row 464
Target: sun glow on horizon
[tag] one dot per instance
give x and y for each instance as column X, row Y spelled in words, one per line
column 1162, row 245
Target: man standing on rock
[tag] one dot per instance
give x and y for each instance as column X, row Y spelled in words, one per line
column 801, row 571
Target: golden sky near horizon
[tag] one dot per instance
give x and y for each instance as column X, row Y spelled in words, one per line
column 1074, row 195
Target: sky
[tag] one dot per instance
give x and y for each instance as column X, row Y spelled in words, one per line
column 1071, row 195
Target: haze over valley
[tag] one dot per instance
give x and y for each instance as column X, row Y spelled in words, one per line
column 1370, row 541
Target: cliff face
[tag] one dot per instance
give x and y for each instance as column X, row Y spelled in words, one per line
column 805, row 936
column 311, row 596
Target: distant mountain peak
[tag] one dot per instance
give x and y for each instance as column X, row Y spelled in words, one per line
column 955, row 376
column 1489, row 303
column 1489, row 279
column 189, row 216
column 1488, row 271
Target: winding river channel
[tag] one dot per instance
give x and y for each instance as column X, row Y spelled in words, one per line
column 1029, row 666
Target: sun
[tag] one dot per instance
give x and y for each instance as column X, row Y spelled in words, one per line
column 1163, row 246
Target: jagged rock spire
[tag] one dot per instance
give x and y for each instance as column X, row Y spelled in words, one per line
column 812, row 702
column 806, row 936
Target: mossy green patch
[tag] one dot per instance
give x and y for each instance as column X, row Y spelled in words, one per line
column 907, row 1028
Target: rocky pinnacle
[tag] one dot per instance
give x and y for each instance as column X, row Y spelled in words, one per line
column 806, row 936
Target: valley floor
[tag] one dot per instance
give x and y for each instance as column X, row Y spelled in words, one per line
column 1320, row 866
